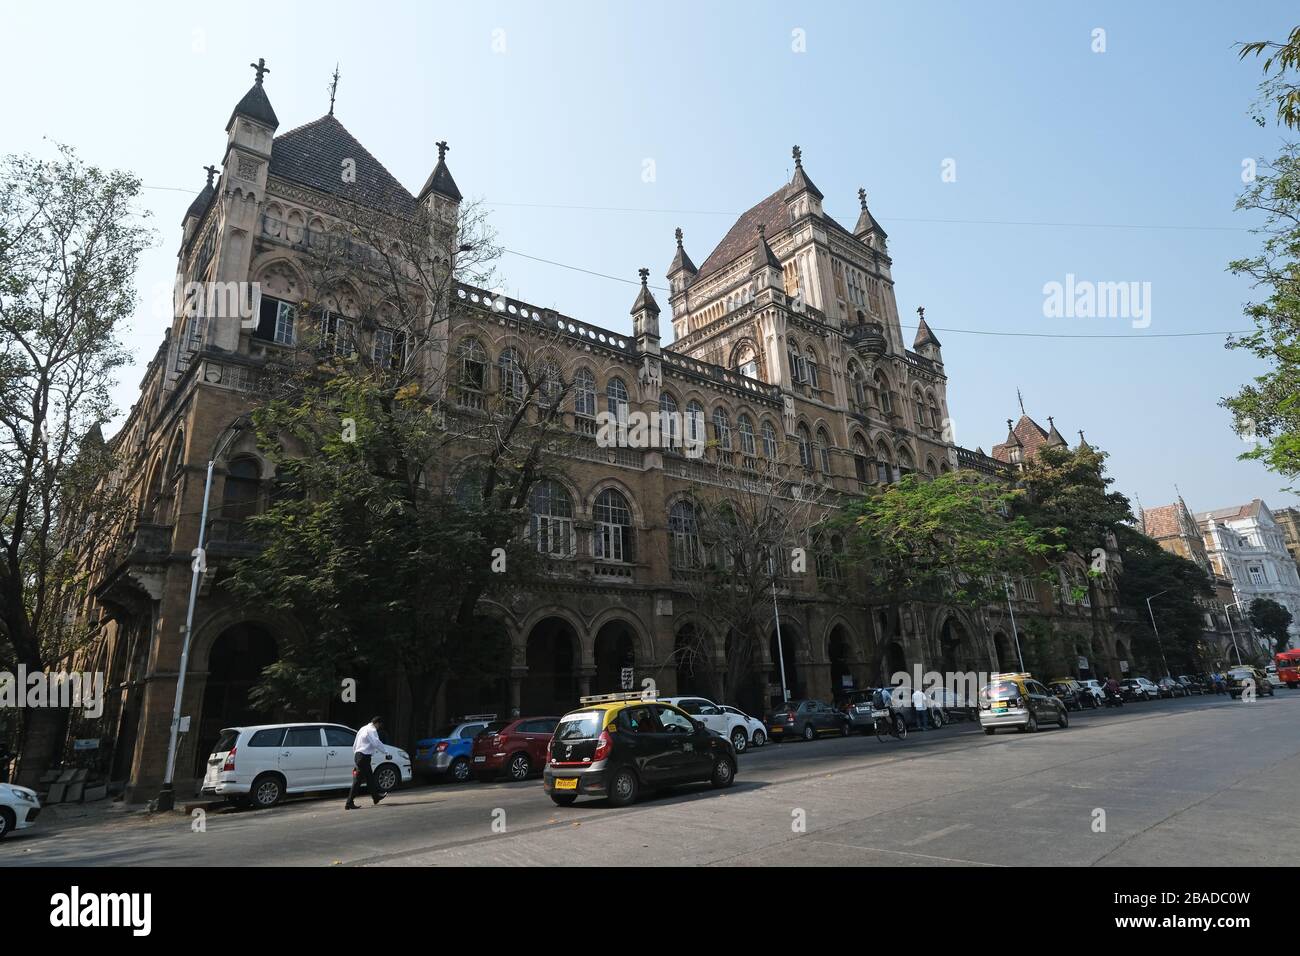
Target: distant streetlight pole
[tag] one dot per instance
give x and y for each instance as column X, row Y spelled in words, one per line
column 167, row 795
column 780, row 650
column 1006, row 583
column 1159, row 642
column 1231, row 629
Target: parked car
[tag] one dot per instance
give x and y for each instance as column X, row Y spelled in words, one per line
column 1070, row 693
column 450, row 751
column 19, row 808
column 618, row 745
column 715, row 717
column 1094, row 688
column 1171, row 688
column 262, row 765
column 856, row 705
column 515, row 748
column 1191, row 685
column 808, row 719
column 1017, row 700
column 1140, row 689
column 757, row 729
column 1245, row 677
column 1270, row 671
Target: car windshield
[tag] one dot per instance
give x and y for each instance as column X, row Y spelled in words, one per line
column 580, row 725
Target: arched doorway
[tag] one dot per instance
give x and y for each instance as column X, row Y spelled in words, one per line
column 235, row 664
column 551, row 685
column 1006, row 660
column 691, row 659
column 483, row 682
column 894, row 660
column 615, row 649
column 838, row 652
column 954, row 646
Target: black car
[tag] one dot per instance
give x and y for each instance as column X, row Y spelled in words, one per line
column 1069, row 695
column 856, row 705
column 808, row 719
column 617, row 746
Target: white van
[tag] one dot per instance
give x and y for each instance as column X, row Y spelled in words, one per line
column 260, row 765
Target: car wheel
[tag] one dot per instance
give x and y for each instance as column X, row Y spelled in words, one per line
column 267, row 791
column 739, row 740
column 808, row 732
column 1065, row 718
column 989, row 730
column 1031, row 725
column 460, row 769
column 724, row 773
column 759, row 739
column 7, row 821
column 387, row 777
column 844, row 730
column 623, row 788
column 520, row 767
column 563, row 799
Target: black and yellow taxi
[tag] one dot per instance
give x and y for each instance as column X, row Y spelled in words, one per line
column 1019, row 701
column 618, row 745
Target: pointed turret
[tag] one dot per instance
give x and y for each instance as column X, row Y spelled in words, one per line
column 200, row 204
column 867, row 224
column 255, row 105
column 1083, row 442
column 1054, row 438
column 802, row 197
column 681, row 268
column 800, row 183
column 645, row 317
column 440, row 181
column 767, row 267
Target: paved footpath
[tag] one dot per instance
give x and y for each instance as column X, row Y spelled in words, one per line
column 1204, row 781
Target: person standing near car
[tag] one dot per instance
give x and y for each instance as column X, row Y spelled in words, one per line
column 918, row 707
column 364, row 749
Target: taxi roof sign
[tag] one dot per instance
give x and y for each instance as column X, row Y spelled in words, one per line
column 611, row 698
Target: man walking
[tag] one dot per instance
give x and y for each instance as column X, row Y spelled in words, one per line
column 918, row 706
column 366, row 746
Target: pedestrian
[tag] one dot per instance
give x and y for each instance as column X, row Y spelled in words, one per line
column 918, row 707
column 364, row 748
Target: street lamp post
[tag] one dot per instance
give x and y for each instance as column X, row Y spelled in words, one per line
column 167, row 795
column 1159, row 642
column 1231, row 629
column 1006, row 583
column 780, row 649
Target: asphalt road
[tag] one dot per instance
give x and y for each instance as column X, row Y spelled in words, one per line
column 1203, row 781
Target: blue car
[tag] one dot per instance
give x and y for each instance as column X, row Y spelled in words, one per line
column 450, row 752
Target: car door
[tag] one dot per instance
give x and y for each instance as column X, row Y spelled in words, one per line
column 644, row 745
column 537, row 735
column 712, row 716
column 302, row 758
column 338, row 756
column 687, row 745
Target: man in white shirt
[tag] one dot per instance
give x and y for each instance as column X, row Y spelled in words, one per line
column 364, row 748
column 918, row 705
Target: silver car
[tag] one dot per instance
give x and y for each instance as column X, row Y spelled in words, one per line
column 1019, row 701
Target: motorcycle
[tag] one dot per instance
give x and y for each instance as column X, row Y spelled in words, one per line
column 1114, row 699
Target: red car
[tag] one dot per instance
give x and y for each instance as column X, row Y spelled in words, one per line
column 514, row 747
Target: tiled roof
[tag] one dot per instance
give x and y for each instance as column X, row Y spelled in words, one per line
column 313, row 155
column 1030, row 436
column 739, row 240
column 1161, row 522
column 1230, row 514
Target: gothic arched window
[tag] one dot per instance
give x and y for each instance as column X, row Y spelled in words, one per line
column 552, row 519
column 683, row 536
column 613, row 527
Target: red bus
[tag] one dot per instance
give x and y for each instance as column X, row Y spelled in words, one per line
column 1288, row 668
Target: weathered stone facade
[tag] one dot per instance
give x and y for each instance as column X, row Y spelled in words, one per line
column 788, row 344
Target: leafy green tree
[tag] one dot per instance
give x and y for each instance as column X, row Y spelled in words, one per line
column 1067, row 494
column 1267, row 411
column 1150, row 570
column 952, row 538
column 1273, row 621
column 70, row 239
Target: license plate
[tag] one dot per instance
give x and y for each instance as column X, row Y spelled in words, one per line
column 566, row 783
column 880, row 713
column 999, row 706
column 480, row 759
column 778, row 729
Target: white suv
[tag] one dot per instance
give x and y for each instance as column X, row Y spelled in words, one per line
column 734, row 726
column 260, row 765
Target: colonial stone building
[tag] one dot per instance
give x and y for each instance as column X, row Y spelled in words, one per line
column 788, row 345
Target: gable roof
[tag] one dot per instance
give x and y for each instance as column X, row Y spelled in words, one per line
column 313, row 155
column 771, row 214
column 1027, row 434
